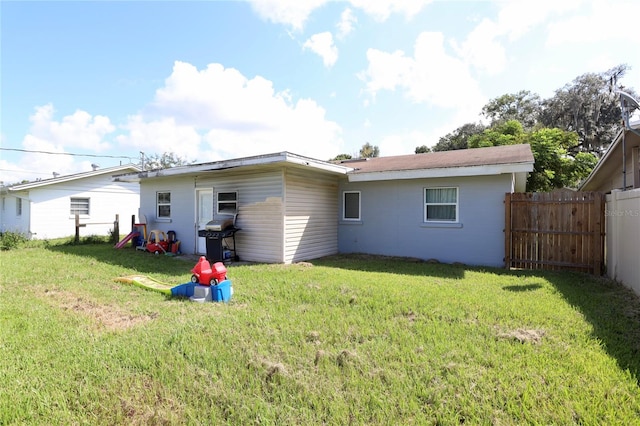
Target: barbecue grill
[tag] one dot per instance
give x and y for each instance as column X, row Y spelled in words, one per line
column 221, row 239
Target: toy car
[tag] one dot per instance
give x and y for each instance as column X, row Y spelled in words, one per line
column 206, row 274
column 157, row 242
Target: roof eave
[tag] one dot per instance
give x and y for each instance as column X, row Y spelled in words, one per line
column 464, row 171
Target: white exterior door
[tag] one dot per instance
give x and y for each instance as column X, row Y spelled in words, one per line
column 204, row 211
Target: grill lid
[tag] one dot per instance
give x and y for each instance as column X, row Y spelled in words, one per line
column 221, row 223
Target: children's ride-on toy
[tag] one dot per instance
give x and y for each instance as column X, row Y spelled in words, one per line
column 157, row 242
column 207, row 274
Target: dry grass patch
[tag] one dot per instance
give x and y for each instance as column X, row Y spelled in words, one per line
column 110, row 317
column 523, row 335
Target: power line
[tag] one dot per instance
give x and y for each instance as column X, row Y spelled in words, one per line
column 65, row 153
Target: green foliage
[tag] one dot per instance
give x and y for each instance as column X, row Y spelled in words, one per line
column 164, row 161
column 340, row 157
column 458, row 139
column 342, row 340
column 523, row 106
column 11, row 240
column 369, row 151
column 422, row 149
column 507, row 133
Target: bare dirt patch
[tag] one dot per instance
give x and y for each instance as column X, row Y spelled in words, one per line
column 107, row 316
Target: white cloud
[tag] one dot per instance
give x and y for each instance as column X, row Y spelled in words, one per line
column 238, row 116
column 78, row 130
column 160, row 136
column 382, row 9
column 431, row 76
column 600, row 21
column 322, row 45
column 482, row 50
column 289, row 12
column 347, row 21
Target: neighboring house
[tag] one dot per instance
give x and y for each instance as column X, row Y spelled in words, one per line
column 445, row 205
column 618, row 175
column 46, row 208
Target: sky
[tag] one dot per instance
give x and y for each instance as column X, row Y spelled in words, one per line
column 100, row 82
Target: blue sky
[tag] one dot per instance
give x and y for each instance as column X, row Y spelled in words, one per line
column 226, row 79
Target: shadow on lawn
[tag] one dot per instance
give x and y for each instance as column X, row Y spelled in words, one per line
column 130, row 259
column 612, row 309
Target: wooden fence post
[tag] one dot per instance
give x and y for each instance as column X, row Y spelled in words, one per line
column 116, row 230
column 77, row 237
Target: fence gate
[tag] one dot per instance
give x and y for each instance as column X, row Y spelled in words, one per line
column 555, row 230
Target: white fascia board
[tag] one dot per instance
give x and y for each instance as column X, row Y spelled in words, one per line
column 282, row 157
column 443, row 172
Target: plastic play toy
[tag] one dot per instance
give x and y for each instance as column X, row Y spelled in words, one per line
column 157, row 242
column 205, row 273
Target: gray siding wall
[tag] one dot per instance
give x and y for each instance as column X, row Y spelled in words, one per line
column 392, row 214
column 182, row 219
column 260, row 210
column 310, row 224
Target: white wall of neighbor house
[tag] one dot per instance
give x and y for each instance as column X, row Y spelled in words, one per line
column 622, row 217
column 15, row 213
column 392, row 220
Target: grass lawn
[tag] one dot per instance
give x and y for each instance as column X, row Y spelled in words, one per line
column 340, row 340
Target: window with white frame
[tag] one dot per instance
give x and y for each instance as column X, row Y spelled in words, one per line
column 163, row 203
column 441, row 204
column 18, row 206
column 351, row 205
column 228, row 202
column 79, row 206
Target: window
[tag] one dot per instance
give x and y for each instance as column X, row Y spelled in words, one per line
column 351, row 205
column 227, row 202
column 164, row 204
column 80, row 206
column 441, row 204
column 18, row 206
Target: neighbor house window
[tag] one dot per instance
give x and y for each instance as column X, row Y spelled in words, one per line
column 351, row 205
column 164, row 204
column 228, row 202
column 441, row 204
column 18, row 206
column 80, row 206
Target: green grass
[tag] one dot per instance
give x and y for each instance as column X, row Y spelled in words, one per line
column 340, row 340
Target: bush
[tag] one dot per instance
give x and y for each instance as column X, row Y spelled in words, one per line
column 11, row 240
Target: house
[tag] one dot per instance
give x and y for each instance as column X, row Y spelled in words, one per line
column 46, row 208
column 444, row 205
column 618, row 175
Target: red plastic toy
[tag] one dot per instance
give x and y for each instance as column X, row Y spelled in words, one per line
column 207, row 274
column 157, row 242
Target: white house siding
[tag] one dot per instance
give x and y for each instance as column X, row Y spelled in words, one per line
column 10, row 221
column 50, row 207
column 622, row 218
column 392, row 214
column 310, row 224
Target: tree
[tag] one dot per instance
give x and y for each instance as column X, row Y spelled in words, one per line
column 588, row 107
column 523, row 106
column 422, row 149
column 507, row 133
column 459, row 137
column 369, row 151
column 164, row 161
column 340, row 157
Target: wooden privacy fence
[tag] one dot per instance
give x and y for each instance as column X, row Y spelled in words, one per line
column 555, row 230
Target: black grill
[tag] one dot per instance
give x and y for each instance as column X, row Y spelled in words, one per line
column 220, row 241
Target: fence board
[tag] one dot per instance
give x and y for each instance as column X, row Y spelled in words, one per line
column 555, row 230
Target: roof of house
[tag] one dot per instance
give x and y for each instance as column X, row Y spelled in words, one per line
column 467, row 162
column 602, row 177
column 463, row 162
column 66, row 178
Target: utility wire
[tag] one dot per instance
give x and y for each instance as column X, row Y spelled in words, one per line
column 66, row 153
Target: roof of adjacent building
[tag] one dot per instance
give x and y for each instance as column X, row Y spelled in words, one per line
column 66, row 178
